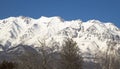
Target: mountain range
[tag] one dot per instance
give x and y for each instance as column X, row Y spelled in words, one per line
column 91, row 36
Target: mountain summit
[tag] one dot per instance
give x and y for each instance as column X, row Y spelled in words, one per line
column 90, row 36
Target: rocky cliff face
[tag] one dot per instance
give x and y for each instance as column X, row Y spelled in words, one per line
column 91, row 36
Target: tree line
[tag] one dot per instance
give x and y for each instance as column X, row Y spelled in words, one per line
column 68, row 57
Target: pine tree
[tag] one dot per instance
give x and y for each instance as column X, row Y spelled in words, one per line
column 70, row 55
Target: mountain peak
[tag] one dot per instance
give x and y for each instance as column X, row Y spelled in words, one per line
column 23, row 17
column 93, row 21
column 27, row 31
column 51, row 19
column 111, row 26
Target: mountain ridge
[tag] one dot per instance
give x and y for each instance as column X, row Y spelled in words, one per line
column 93, row 34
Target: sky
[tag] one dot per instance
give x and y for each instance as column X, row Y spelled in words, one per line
column 103, row 10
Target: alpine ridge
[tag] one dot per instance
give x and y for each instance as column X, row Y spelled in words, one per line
column 91, row 36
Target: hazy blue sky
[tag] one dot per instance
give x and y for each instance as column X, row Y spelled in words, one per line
column 103, row 10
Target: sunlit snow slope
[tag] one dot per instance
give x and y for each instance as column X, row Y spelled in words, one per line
column 91, row 36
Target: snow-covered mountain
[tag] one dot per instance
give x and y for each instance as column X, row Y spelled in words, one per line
column 91, row 36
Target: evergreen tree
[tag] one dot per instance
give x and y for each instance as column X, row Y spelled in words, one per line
column 70, row 54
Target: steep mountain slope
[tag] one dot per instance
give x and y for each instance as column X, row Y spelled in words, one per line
column 91, row 36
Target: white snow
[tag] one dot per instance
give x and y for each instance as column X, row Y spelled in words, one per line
column 91, row 36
